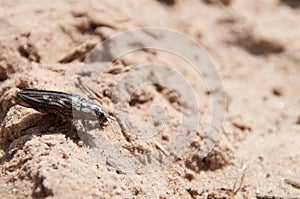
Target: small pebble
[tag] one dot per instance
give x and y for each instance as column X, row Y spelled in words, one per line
column 277, row 91
column 80, row 143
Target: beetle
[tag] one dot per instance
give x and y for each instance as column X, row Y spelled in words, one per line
column 66, row 106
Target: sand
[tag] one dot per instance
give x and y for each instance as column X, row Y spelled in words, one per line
column 255, row 47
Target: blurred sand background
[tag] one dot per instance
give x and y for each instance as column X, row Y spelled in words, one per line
column 256, row 46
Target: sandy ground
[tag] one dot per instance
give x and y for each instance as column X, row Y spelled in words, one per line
column 256, row 46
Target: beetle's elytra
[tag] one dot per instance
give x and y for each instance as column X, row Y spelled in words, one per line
column 65, row 105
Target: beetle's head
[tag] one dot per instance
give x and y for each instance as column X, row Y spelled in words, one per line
column 102, row 116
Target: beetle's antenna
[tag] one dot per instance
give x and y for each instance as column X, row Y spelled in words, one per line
column 89, row 90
